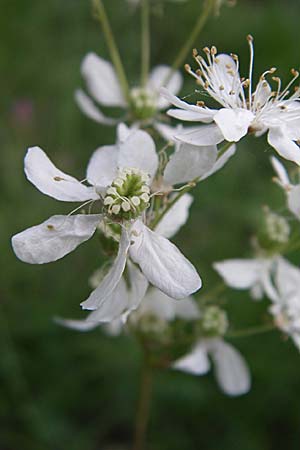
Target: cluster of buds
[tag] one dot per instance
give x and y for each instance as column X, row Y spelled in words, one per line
column 214, row 321
column 143, row 103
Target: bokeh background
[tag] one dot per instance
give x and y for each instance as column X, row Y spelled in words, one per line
column 60, row 389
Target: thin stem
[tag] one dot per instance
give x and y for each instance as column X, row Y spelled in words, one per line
column 143, row 409
column 251, row 331
column 188, row 44
column 101, row 15
column 145, row 55
column 224, row 149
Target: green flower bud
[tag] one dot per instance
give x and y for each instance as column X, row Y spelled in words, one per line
column 214, row 321
column 143, row 103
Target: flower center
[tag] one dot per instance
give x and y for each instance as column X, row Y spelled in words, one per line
column 128, row 196
column 143, row 103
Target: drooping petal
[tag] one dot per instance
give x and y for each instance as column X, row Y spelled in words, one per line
column 163, row 264
column 158, row 304
column 103, row 166
column 293, row 200
column 112, row 278
column 191, row 116
column 287, row 279
column 79, row 325
column 138, row 287
column 233, row 123
column 231, row 369
column 196, row 362
column 281, row 172
column 41, row 172
column 187, row 309
column 205, row 113
column 203, row 135
column 189, row 163
column 54, row 238
column 102, row 81
column 92, row 111
column 286, row 148
column 175, row 218
column 157, row 79
column 138, row 151
column 220, row 162
column 239, row 273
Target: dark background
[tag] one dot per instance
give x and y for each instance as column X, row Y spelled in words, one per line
column 60, row 389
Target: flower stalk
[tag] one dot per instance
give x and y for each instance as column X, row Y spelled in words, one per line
column 145, row 41
column 101, row 16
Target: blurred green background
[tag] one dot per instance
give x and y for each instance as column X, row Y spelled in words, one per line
column 60, row 389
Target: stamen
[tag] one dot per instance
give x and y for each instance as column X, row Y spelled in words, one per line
column 250, row 42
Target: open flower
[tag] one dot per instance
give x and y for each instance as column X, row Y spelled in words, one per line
column 253, row 274
column 292, row 190
column 286, row 299
column 242, row 110
column 120, row 177
column 231, row 370
column 144, row 103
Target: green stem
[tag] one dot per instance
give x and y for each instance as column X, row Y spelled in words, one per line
column 143, row 409
column 188, row 44
column 101, row 15
column 145, row 55
column 224, row 149
column 251, row 331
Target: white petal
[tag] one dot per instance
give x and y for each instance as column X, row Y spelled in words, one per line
column 196, row 362
column 187, row 309
column 163, row 264
column 191, row 116
column 110, row 281
column 205, row 113
column 157, row 79
column 175, row 218
column 138, row 286
column 114, row 305
column 158, row 304
column 41, row 172
column 287, row 279
column 92, row 111
column 231, row 369
column 54, row 238
column 239, row 273
column 102, row 81
column 293, row 199
column 123, row 132
column 189, row 163
column 286, row 148
column 233, row 123
column 138, row 151
column 203, row 135
column 281, row 172
column 103, row 166
column 79, row 325
column 220, row 162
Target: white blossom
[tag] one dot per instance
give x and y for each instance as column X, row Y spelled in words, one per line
column 292, row 190
column 242, row 110
column 230, row 368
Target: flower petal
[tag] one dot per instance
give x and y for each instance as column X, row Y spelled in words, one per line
column 281, row 172
column 233, row 123
column 189, row 163
column 191, row 116
column 288, row 149
column 79, row 325
column 162, row 263
column 157, row 78
column 138, row 151
column 175, row 218
column 203, row 135
column 220, row 162
column 102, row 81
column 206, row 113
column 51, row 181
column 110, row 281
column 239, row 273
column 196, row 362
column 54, row 238
column 293, row 200
column 92, row 111
column 231, row 369
column 103, row 166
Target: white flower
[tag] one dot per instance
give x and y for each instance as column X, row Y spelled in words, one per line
column 292, row 190
column 154, row 304
column 286, row 299
column 110, row 173
column 242, row 110
column 254, row 274
column 231, row 370
column 144, row 104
